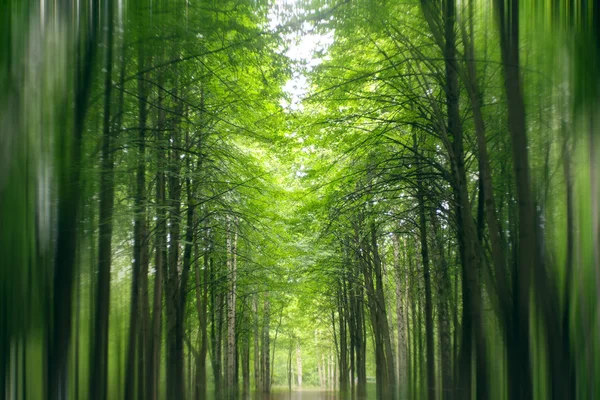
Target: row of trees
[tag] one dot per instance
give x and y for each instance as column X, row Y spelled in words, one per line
column 139, row 245
column 460, row 200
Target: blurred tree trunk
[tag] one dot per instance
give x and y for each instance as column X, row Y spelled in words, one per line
column 201, row 291
column 183, row 281
column 160, row 255
column 231, row 306
column 444, row 290
column 140, row 248
column 520, row 377
column 289, row 368
column 174, row 363
column 343, row 345
column 266, row 346
column 245, row 362
column 69, row 200
column 216, row 327
column 99, row 340
column 414, row 295
column 257, row 358
column 530, row 262
column 299, row 363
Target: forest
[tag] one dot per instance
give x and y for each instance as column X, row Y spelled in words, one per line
column 299, row 199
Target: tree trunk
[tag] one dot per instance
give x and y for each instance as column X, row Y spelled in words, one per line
column 413, row 313
column 266, row 352
column 215, row 328
column 320, row 371
column 472, row 314
column 299, row 364
column 491, row 217
column 69, row 195
column 427, row 281
column 140, row 233
column 160, row 259
column 443, row 319
column 389, row 385
column 361, row 343
column 289, row 368
column 99, row 340
column 231, row 306
column 343, row 346
column 529, row 252
column 201, row 291
column 400, row 326
column 181, row 287
column 174, row 365
column 246, row 364
column 372, row 299
column 257, row 362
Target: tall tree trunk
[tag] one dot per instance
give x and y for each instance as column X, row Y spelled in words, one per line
column 299, row 363
column 245, row 362
column 467, row 232
column 266, row 345
column 140, row 232
column 181, row 286
column 144, row 331
column 160, row 259
column 352, row 332
column 379, row 321
column 361, row 343
column 343, row 346
column 413, row 313
column 289, row 368
column 99, row 340
column 529, row 252
column 320, row 371
column 491, row 217
column 519, row 357
column 427, row 282
column 400, row 323
column 231, row 306
column 173, row 367
column 201, row 291
column 443, row 319
column 257, row 362
column 216, row 328
column 381, row 378
column 69, row 194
